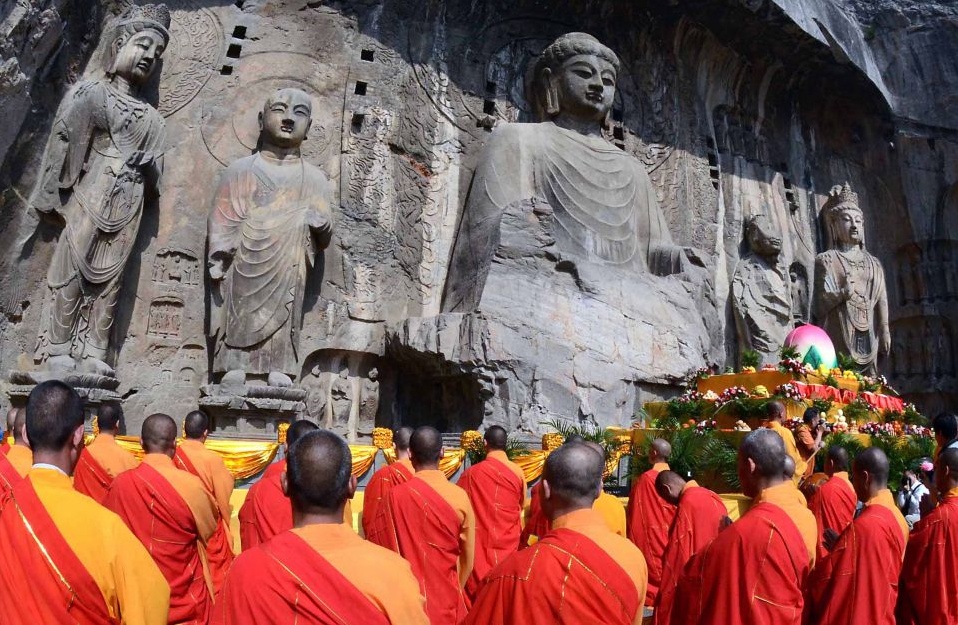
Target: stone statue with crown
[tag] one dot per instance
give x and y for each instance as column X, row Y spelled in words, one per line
column 103, row 161
column 850, row 300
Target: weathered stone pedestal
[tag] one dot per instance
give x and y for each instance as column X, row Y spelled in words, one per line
column 94, row 389
column 251, row 412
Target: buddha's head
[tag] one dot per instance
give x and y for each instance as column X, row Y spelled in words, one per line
column 844, row 218
column 575, row 76
column 286, row 118
column 139, row 37
column 762, row 237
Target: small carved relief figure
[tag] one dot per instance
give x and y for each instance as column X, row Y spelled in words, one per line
column 103, row 158
column 269, row 221
column 799, row 292
column 760, row 292
column 850, row 299
column 602, row 201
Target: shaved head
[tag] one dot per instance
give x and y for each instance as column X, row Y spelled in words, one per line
column 425, row 447
column 838, row 458
column 158, row 434
column 54, row 412
column 196, row 425
column 496, row 438
column 662, row 449
column 296, row 431
column 761, row 461
column 401, row 438
column 788, row 469
column 20, row 420
column 775, row 410
column 597, row 448
column 12, row 417
column 870, row 473
column 669, row 486
column 573, row 474
column 946, row 471
column 109, row 416
column 318, row 473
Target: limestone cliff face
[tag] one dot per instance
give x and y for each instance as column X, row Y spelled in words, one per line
column 734, row 108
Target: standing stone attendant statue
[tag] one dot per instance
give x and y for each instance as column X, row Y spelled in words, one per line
column 850, row 301
column 103, row 158
column 760, row 292
column 601, row 198
column 270, row 219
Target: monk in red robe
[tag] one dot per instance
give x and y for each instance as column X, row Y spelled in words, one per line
column 755, row 571
column 700, row 514
column 650, row 517
column 833, row 504
column 171, row 513
column 193, row 456
column 580, row 571
column 63, row 557
column 857, row 582
column 497, row 491
column 928, row 589
column 376, row 527
column 18, row 460
column 321, row 572
column 434, row 528
column 266, row 511
column 102, row 460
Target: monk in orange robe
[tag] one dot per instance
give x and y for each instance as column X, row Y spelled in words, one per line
column 170, row 512
column 321, row 572
column 700, row 514
column 18, row 460
column 776, row 422
column 755, row 571
column 579, row 572
column 102, row 460
column 193, row 456
column 7, row 441
column 833, row 504
column 434, row 528
column 808, row 439
column 928, row 588
column 650, row 516
column 63, row 557
column 857, row 582
column 497, row 491
column 375, row 517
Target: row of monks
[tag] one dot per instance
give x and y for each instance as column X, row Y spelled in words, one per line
column 90, row 536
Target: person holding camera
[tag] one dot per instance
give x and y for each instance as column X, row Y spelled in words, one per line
column 915, row 495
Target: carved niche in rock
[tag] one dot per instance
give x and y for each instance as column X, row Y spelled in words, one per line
column 761, row 292
column 102, row 162
column 850, row 300
column 270, row 220
column 343, row 392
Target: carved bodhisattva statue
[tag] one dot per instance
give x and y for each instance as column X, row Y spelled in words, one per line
column 601, row 198
column 850, row 301
column 269, row 220
column 103, row 157
column 760, row 292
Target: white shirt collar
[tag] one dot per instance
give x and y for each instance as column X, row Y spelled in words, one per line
column 52, row 467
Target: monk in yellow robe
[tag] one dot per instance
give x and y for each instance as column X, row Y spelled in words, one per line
column 650, row 516
column 375, row 517
column 102, row 460
column 170, row 512
column 193, row 456
column 18, row 460
column 497, row 491
column 579, row 572
column 321, row 572
column 776, row 419
column 608, row 506
column 434, row 528
column 63, row 557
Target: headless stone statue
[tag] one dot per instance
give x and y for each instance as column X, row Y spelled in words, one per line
column 602, row 201
column 760, row 293
column 103, row 157
column 270, row 219
column 850, row 300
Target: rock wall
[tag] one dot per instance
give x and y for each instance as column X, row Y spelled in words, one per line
column 735, row 108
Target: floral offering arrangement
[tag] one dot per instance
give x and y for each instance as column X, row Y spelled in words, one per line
column 732, row 393
column 790, row 392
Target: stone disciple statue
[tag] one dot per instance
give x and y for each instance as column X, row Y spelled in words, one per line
column 601, row 199
column 760, row 292
column 104, row 156
column 850, row 301
column 270, row 219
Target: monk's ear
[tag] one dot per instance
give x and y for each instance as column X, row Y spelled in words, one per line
column 284, row 483
column 751, row 465
column 546, row 491
column 78, row 436
column 351, row 487
column 23, row 434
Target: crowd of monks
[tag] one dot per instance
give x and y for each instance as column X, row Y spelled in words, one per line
column 88, row 535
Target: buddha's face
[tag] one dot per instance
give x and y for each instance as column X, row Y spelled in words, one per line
column 585, row 86
column 762, row 238
column 286, row 118
column 138, row 56
column 850, row 226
